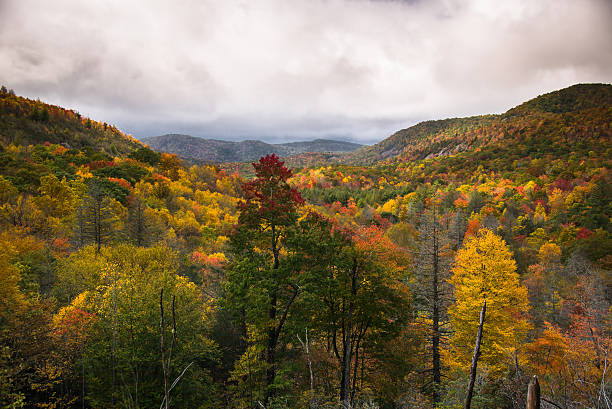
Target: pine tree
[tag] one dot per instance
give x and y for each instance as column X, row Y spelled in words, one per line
column 96, row 217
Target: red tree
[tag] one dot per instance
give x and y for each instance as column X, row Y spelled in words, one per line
column 267, row 216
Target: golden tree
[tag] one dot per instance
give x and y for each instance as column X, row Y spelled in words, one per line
column 485, row 271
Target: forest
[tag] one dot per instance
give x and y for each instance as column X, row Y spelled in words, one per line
column 132, row 279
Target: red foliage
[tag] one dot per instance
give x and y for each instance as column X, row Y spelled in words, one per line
column 583, row 233
column 99, row 164
column 526, row 209
column 269, row 197
column 74, row 322
column 519, row 238
column 121, row 182
column 216, row 261
column 160, row 178
column 563, row 184
column 60, row 246
column 381, row 221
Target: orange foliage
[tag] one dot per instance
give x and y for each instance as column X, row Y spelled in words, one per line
column 472, row 228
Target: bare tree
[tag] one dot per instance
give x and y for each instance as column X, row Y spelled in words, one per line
column 433, row 259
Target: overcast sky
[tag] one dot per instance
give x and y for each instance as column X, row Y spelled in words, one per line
column 297, row 69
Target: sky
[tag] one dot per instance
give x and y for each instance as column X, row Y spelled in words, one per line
column 287, row 70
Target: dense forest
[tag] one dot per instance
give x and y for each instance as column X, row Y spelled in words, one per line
column 442, row 268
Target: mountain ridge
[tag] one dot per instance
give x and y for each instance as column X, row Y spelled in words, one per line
column 216, row 150
column 450, row 136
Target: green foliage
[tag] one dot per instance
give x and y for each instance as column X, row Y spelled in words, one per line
column 122, row 294
column 145, row 155
column 126, row 171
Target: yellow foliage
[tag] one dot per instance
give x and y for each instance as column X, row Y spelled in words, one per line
column 539, row 216
column 529, row 186
column 577, row 196
column 465, row 189
column 549, row 253
column 83, row 172
column 485, row 270
column 556, row 201
column 390, row 206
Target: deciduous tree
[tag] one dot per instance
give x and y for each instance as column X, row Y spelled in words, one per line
column 485, row 271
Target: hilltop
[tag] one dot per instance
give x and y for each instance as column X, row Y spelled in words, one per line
column 24, row 121
column 214, row 150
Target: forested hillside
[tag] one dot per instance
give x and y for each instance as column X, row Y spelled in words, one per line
column 574, row 107
column 25, row 122
column 130, row 280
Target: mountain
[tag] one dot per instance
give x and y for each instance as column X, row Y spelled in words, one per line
column 24, row 121
column 578, row 106
column 214, row 150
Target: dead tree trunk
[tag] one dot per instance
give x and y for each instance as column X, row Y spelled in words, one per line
column 533, row 394
column 470, row 391
column 166, row 362
column 306, row 347
column 163, row 352
column 435, row 317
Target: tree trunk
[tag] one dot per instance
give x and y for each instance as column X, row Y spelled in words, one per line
column 271, row 350
column 470, row 391
column 306, row 347
column 533, row 394
column 272, row 331
column 163, row 348
column 346, row 364
column 347, row 353
column 436, row 322
column 114, row 344
column 98, row 226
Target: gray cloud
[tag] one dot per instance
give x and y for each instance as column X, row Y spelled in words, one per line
column 279, row 69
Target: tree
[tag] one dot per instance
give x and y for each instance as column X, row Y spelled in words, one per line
column 432, row 292
column 56, row 202
column 97, row 216
column 485, row 271
column 354, row 297
column 260, row 285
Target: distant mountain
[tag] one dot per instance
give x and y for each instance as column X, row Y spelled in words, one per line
column 214, row 150
column 548, row 115
column 25, row 121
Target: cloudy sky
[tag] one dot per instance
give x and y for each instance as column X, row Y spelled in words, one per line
column 297, row 69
